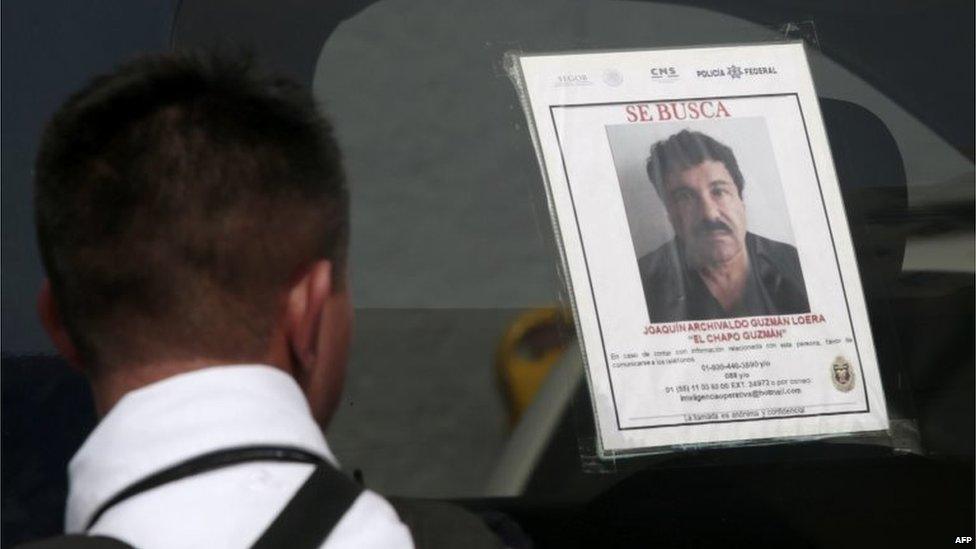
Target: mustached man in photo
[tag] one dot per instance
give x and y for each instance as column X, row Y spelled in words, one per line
column 713, row 267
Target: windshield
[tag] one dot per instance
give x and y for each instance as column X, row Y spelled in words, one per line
column 466, row 379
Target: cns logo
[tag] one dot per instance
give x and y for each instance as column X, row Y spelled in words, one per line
column 664, row 74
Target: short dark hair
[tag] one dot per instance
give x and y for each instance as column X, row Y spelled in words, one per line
column 175, row 200
column 687, row 149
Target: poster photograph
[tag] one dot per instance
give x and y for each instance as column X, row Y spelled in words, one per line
column 708, row 258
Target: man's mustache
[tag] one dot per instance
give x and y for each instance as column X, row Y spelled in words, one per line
column 706, row 227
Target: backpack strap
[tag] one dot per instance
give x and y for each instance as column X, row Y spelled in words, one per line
column 304, row 523
column 312, row 512
column 307, row 519
column 76, row 541
column 204, row 463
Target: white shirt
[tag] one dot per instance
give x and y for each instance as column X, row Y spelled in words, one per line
column 185, row 416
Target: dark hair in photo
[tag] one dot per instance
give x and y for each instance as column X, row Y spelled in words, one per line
column 175, row 200
column 687, row 149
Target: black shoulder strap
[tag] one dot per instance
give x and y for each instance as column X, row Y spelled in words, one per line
column 312, row 512
column 306, row 520
column 203, row 463
column 76, row 541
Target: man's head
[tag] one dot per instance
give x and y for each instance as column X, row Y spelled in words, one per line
column 190, row 210
column 699, row 181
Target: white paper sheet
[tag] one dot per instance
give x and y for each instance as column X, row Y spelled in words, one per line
column 716, row 304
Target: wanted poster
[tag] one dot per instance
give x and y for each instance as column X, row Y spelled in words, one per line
column 705, row 245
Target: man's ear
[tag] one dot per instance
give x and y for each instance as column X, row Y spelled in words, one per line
column 47, row 309
column 303, row 312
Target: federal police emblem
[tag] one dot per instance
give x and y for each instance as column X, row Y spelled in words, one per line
column 842, row 374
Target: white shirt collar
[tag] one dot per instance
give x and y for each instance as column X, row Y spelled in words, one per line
column 182, row 417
